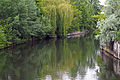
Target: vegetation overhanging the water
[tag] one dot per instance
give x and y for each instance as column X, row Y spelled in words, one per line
column 108, row 26
column 22, row 20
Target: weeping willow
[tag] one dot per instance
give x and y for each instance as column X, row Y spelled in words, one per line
column 60, row 13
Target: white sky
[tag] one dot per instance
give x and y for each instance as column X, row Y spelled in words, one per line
column 102, row 2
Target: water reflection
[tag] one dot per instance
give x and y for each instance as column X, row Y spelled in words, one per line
column 111, row 68
column 64, row 59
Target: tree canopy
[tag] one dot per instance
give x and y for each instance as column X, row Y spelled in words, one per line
column 110, row 26
column 22, row 20
column 60, row 13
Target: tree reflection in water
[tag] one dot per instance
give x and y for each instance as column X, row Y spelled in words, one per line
column 63, row 59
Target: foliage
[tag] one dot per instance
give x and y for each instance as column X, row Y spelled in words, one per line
column 99, row 17
column 88, row 8
column 75, row 25
column 60, row 13
column 42, row 27
column 118, row 36
column 23, row 20
column 110, row 26
column 4, row 32
column 21, row 14
column 2, row 37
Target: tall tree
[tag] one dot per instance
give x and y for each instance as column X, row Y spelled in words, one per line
column 60, row 13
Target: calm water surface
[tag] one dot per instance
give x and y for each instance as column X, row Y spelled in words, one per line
column 62, row 59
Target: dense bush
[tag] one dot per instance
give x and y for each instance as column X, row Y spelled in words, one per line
column 23, row 20
column 42, row 27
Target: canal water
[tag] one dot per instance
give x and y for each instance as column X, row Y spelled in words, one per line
column 60, row 59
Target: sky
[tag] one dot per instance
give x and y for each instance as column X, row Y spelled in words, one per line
column 102, row 2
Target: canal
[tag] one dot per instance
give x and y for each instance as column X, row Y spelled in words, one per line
column 58, row 59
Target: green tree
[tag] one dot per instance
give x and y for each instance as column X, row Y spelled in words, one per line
column 22, row 14
column 23, row 19
column 2, row 37
column 60, row 13
column 77, row 18
column 110, row 26
column 88, row 8
column 4, row 32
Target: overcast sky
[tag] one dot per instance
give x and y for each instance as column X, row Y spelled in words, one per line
column 102, row 2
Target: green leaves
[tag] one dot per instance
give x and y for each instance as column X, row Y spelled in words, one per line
column 24, row 19
column 110, row 26
column 60, row 14
column 42, row 27
column 77, row 17
column 118, row 36
column 86, row 9
column 21, row 20
column 99, row 17
column 3, row 36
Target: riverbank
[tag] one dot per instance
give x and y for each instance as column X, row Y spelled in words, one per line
column 111, row 62
column 69, row 35
column 109, row 52
column 114, row 50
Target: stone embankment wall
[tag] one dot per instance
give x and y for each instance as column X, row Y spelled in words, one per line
column 113, row 63
column 112, row 48
column 116, row 48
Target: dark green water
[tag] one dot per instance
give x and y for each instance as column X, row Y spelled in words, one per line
column 63, row 59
